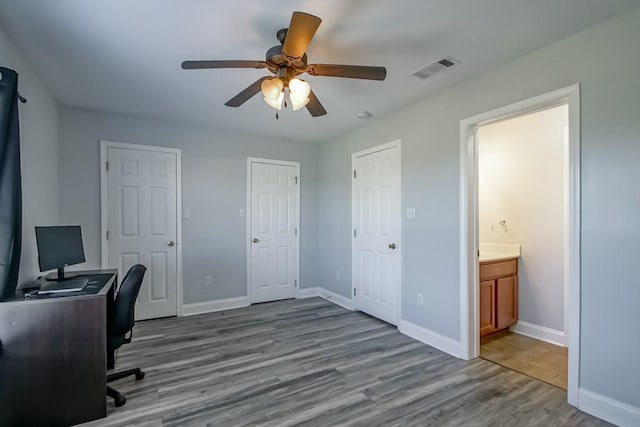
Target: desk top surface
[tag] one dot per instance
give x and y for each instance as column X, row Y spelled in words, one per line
column 100, row 282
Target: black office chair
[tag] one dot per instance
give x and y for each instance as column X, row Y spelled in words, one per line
column 121, row 326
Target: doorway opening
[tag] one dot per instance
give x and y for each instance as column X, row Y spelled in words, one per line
column 521, row 229
column 505, row 285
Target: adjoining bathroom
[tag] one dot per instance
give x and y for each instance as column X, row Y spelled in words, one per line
column 522, row 203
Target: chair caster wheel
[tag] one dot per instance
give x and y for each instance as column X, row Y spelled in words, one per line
column 119, row 400
column 139, row 375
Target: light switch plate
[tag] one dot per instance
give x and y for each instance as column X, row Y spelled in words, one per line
column 411, row 213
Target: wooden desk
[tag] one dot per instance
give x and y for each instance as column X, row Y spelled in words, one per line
column 53, row 355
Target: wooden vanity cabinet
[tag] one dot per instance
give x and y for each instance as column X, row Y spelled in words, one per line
column 498, row 295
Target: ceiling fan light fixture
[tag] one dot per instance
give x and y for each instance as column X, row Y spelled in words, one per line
column 273, row 91
column 296, row 105
column 299, row 91
column 275, row 103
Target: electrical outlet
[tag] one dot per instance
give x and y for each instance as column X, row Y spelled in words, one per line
column 337, row 275
column 187, row 213
column 207, row 280
column 420, row 299
column 411, row 213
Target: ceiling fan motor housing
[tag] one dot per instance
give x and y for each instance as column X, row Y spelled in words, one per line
column 281, row 35
column 276, row 59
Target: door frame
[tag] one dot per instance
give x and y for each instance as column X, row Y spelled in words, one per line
column 395, row 143
column 469, row 240
column 250, row 161
column 104, row 206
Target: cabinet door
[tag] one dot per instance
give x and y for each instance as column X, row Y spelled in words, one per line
column 487, row 307
column 507, row 301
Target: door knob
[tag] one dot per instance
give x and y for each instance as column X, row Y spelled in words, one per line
column 171, row 243
column 256, row 240
column 392, row 245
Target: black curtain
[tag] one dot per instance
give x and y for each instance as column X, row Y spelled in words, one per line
column 10, row 184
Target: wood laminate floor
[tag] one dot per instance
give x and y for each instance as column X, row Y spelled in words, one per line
column 538, row 359
column 310, row 362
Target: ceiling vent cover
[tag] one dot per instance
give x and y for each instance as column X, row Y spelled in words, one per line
column 436, row 67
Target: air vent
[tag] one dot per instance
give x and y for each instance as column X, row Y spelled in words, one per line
column 436, row 67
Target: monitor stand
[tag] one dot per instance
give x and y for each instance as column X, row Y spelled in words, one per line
column 61, row 275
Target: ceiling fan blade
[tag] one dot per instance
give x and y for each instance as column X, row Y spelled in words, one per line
column 314, row 106
column 301, row 30
column 246, row 94
column 348, row 71
column 196, row 65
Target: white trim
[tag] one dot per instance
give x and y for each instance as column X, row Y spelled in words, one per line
column 251, row 160
column 469, row 335
column 431, row 338
column 309, row 293
column 541, row 333
column 213, row 306
column 377, row 148
column 337, row 299
column 614, row 411
column 386, row 146
column 104, row 206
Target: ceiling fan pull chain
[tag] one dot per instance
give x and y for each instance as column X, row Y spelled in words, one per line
column 277, row 116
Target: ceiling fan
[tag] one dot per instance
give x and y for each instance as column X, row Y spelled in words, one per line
column 287, row 61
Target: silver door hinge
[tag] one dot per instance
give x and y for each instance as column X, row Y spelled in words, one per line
column 296, row 283
column 107, row 234
column 296, row 231
column 106, row 165
column 355, row 233
column 354, row 292
column 296, row 178
column 354, row 174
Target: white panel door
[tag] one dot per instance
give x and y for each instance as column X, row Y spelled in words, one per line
column 142, row 224
column 376, row 240
column 274, row 231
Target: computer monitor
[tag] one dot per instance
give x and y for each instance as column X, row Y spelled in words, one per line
column 58, row 247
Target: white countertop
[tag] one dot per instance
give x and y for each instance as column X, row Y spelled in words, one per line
column 495, row 256
column 498, row 251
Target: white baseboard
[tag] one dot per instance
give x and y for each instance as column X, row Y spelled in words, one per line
column 309, row 292
column 608, row 409
column 215, row 305
column 541, row 333
column 338, row 299
column 431, row 338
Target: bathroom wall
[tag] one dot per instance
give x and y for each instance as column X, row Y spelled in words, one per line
column 522, row 181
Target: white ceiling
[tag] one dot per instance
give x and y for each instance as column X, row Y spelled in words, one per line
column 124, row 56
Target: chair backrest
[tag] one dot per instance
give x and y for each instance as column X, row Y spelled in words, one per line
column 123, row 313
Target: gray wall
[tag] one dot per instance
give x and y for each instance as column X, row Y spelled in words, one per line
column 604, row 60
column 213, row 188
column 39, row 154
column 521, row 169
